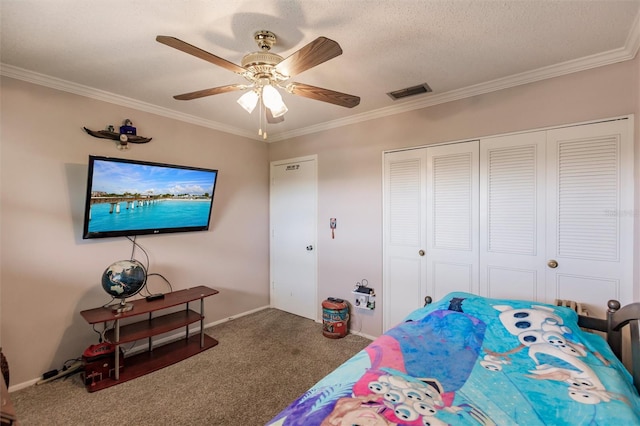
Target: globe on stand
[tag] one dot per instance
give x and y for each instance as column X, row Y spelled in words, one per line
column 123, row 279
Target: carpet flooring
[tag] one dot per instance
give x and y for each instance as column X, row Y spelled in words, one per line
column 262, row 363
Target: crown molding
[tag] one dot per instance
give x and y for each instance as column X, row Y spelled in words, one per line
column 608, row 58
column 629, row 51
column 633, row 40
column 632, row 45
column 101, row 95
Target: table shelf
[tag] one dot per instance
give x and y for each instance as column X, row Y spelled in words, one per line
column 155, row 357
column 154, row 326
column 149, row 361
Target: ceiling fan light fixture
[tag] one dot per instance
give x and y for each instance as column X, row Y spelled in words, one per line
column 249, row 100
column 279, row 112
column 273, row 100
column 267, row 72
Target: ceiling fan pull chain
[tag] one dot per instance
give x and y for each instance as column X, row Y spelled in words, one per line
column 260, row 118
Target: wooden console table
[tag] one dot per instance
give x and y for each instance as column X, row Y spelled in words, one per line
column 158, row 357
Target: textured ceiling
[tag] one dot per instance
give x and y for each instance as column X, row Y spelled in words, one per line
column 107, row 50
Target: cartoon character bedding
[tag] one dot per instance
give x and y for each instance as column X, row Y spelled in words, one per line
column 473, row 360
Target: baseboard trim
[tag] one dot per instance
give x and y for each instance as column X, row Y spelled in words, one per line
column 231, row 318
column 357, row 333
column 24, row 385
column 366, row 336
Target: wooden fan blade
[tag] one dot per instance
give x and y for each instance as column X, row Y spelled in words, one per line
column 318, row 51
column 209, row 92
column 273, row 120
column 324, row 95
column 199, row 53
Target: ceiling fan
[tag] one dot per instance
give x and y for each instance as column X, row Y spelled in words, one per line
column 266, row 71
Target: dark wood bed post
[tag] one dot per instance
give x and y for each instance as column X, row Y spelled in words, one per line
column 629, row 314
column 617, row 319
column 635, row 349
column 614, row 336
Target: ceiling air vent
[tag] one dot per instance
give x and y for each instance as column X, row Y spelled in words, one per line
column 410, row 91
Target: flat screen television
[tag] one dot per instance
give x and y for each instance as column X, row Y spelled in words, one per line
column 130, row 197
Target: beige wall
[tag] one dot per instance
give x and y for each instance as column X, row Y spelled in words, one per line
column 49, row 273
column 350, row 161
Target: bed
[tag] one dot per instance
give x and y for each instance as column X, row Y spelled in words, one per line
column 467, row 359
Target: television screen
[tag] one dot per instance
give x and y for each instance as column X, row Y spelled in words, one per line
column 129, row 197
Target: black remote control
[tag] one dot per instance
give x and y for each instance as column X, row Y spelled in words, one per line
column 155, row 297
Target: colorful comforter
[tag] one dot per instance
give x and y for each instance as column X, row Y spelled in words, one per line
column 472, row 360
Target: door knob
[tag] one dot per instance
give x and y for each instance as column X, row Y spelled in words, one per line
column 552, row 264
column 309, row 248
column 421, row 252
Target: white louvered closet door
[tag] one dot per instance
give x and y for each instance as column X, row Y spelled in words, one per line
column 590, row 205
column 452, row 218
column 512, row 216
column 492, row 215
column 404, row 234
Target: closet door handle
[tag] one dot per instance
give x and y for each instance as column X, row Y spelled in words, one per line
column 421, row 252
column 552, row 264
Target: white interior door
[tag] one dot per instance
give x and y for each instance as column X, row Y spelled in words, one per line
column 404, row 202
column 293, row 212
column 590, row 204
column 512, row 216
column 452, row 219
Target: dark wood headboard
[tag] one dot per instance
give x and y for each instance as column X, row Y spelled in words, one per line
column 613, row 325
